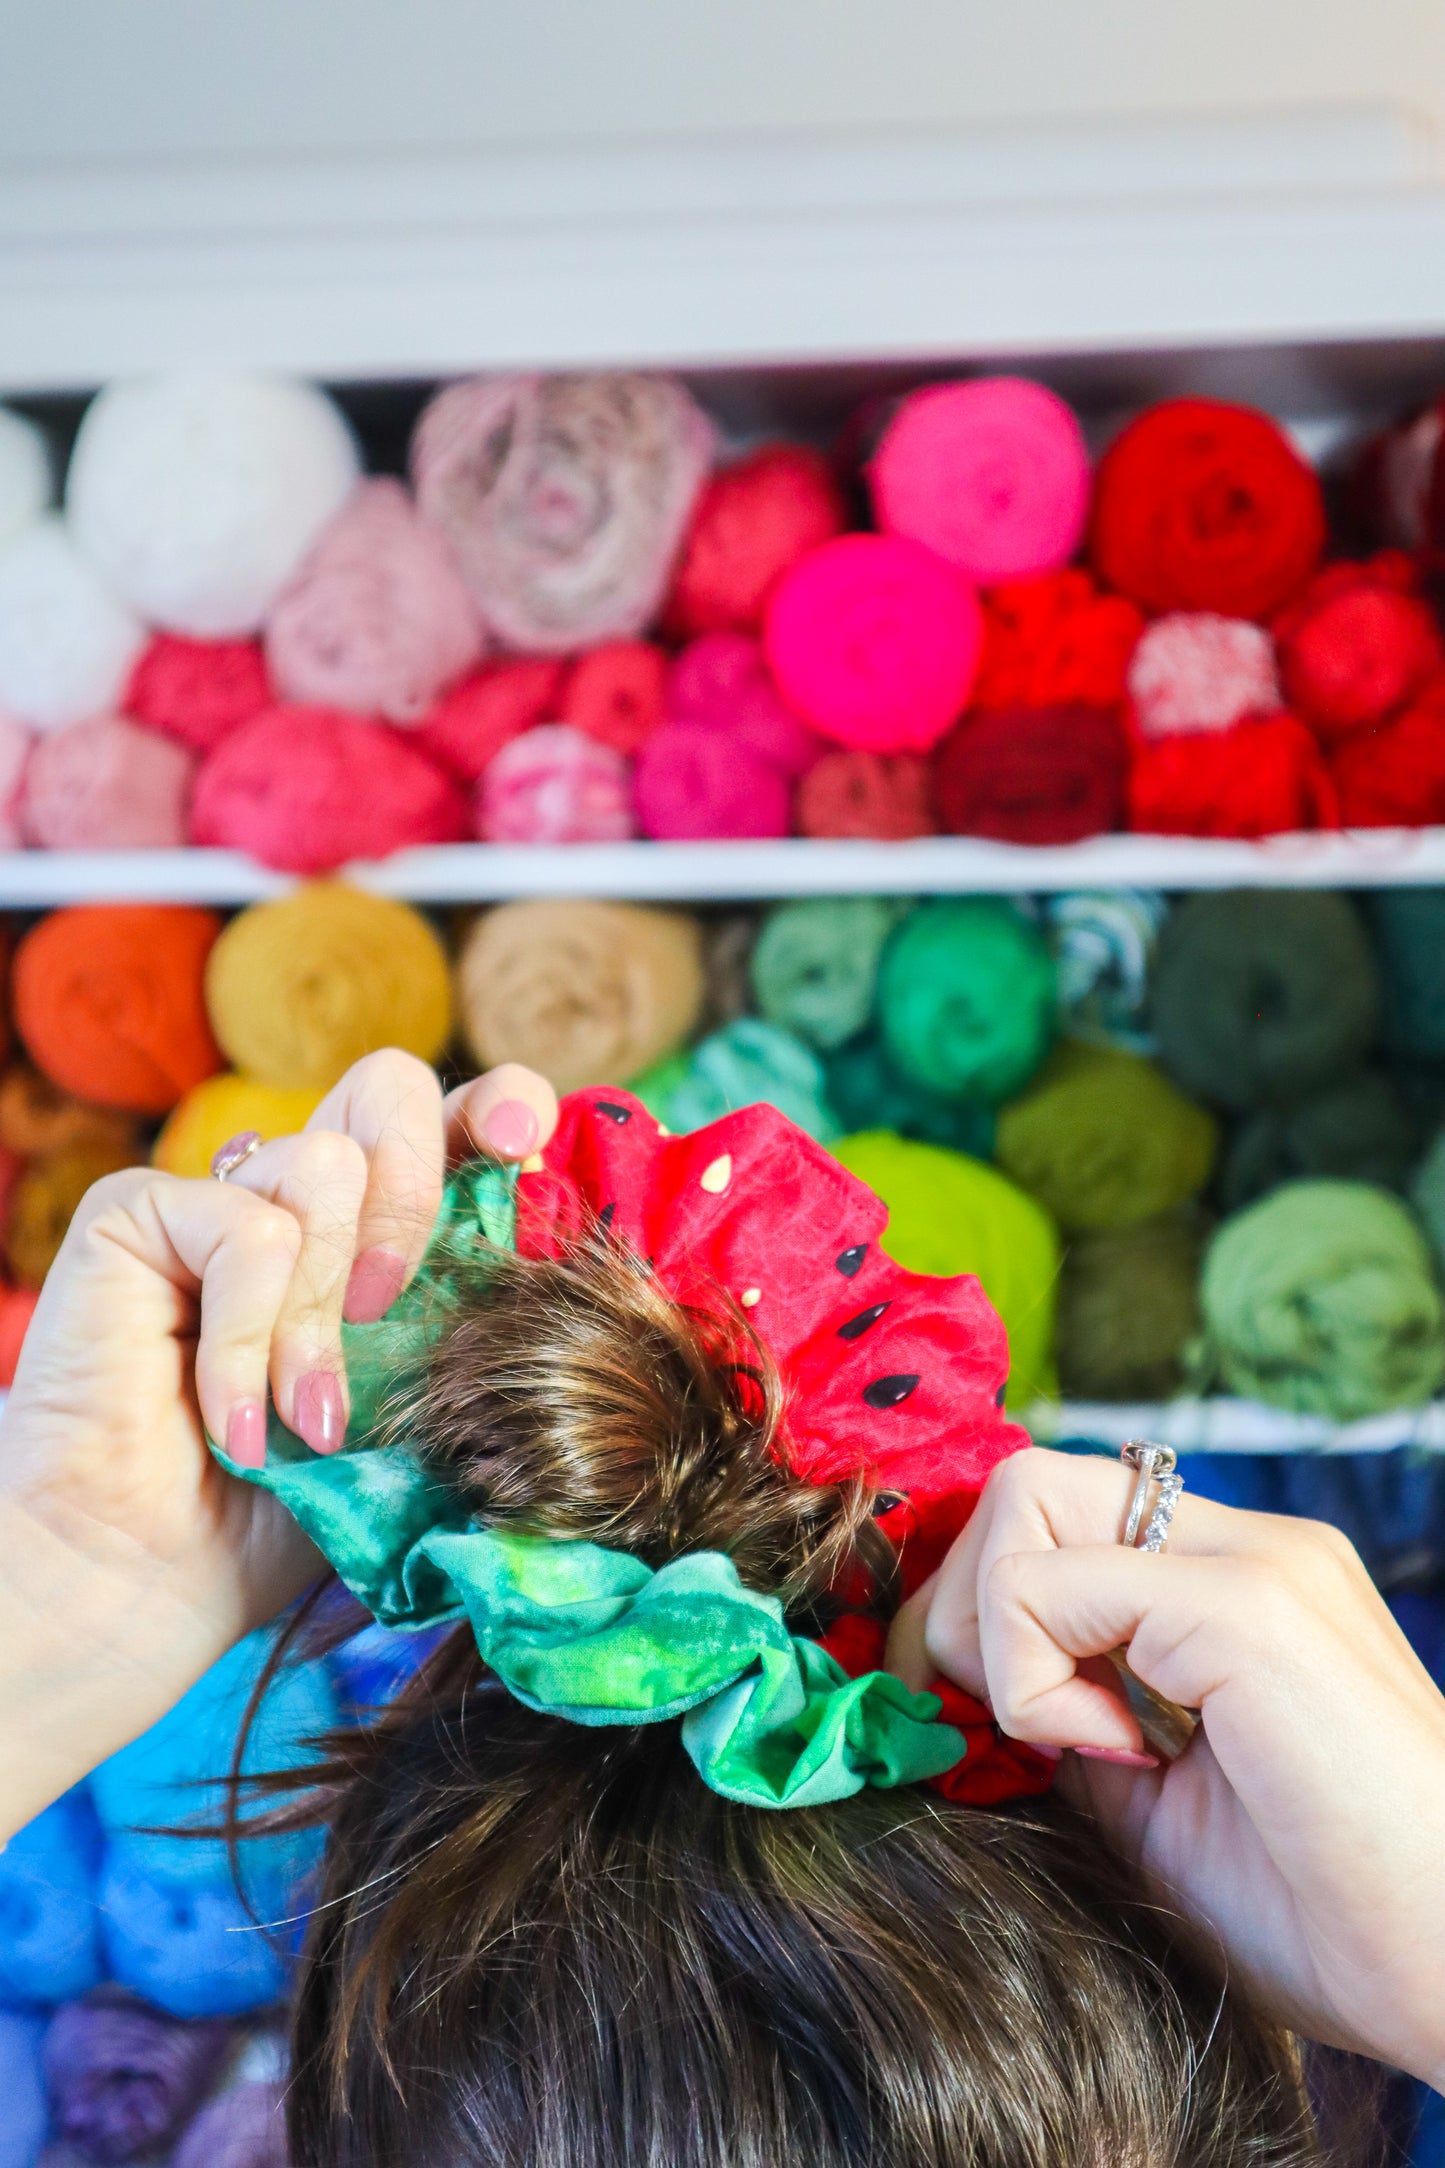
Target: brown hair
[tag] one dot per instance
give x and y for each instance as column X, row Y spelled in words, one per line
column 540, row 1946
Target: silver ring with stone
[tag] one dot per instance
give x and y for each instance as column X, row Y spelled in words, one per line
column 234, row 1153
column 1155, row 1467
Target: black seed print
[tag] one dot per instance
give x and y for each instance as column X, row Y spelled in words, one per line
column 614, row 1113
column 857, row 1326
column 851, row 1261
column 605, row 1216
column 998, row 1398
column 889, row 1392
column 886, row 1500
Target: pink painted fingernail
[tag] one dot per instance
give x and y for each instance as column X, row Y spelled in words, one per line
column 1118, row 1754
column 246, row 1434
column 375, row 1282
column 510, row 1129
column 320, row 1415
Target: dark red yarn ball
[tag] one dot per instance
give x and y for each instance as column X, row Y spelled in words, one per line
column 886, row 797
column 1200, row 505
column 1264, row 776
column 753, row 520
column 1055, row 641
column 1357, row 644
column 197, row 690
column 1398, row 485
column 1393, row 776
column 1033, row 775
column 472, row 722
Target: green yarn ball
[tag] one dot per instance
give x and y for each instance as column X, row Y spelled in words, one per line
column 747, row 1063
column 815, row 966
column 1103, row 1139
column 1128, row 1309
column 867, row 1091
column 966, row 999
column 1321, row 1299
column 949, row 1214
column 1409, row 929
column 1358, row 1130
column 1427, row 1195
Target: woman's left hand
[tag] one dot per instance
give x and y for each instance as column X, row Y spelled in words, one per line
column 129, row 1559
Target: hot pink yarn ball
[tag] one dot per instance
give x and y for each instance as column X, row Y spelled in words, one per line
column 15, row 743
column 110, row 785
column 307, row 789
column 875, row 641
column 197, row 690
column 994, row 475
column 1194, row 670
column 696, row 783
column 378, row 619
column 615, row 693
column 468, row 727
column 723, row 679
column 554, row 784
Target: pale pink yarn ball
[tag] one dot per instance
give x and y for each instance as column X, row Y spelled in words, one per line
column 378, row 620
column 1195, row 670
column 110, row 785
column 15, row 744
column 555, row 784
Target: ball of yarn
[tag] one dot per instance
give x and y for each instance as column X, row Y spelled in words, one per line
column 197, row 690
column 748, row 1063
column 1398, row 486
column 1103, row 942
column 868, row 1091
column 468, row 727
column 993, row 475
column 1357, row 1128
column 1427, row 1195
column 301, row 988
column 1357, row 645
column 883, row 797
column 1261, row 778
column 377, row 618
column 108, row 1001
column 124, row 2080
column 1392, row 775
column 243, row 2127
column 224, row 1107
column 728, row 941
column 110, row 785
column 723, row 680
column 555, row 784
column 309, row 789
column 44, row 1200
column 24, row 474
column 15, row 745
column 1055, row 641
column 1033, row 775
column 948, row 1214
column 697, row 783
column 875, row 642
column 1408, row 925
column 589, row 993
column 752, row 521
column 1128, row 1309
column 1261, row 997
column 615, row 693
column 66, row 642
column 1103, row 1139
column 815, row 967
column 1200, row 505
column 564, row 498
column 1320, row 1298
column 36, row 1117
column 1195, row 670
column 199, row 493
column 966, row 999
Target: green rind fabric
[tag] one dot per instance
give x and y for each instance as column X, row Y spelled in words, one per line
column 581, row 1632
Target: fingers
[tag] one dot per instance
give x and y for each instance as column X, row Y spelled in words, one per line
column 390, row 1104
column 509, row 1113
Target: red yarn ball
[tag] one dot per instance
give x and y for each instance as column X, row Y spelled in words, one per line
column 1393, row 776
column 1262, row 777
column 308, row 789
column 470, row 724
column 1055, row 641
column 884, row 797
column 753, row 520
column 1033, row 775
column 198, row 690
column 615, row 693
column 1357, row 644
column 1200, row 505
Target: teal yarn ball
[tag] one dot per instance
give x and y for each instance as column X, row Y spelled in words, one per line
column 748, row 1063
column 966, row 999
column 1321, row 1298
column 868, row 1091
column 1409, row 930
column 815, row 966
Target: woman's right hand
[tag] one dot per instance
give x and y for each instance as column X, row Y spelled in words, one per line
column 1305, row 1821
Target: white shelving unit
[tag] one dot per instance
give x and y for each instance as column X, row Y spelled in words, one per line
column 1216, row 1423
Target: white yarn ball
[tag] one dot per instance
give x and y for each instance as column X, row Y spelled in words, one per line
column 67, row 644
column 24, row 474
column 198, row 495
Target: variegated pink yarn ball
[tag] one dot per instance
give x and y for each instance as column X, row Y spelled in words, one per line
column 378, row 619
column 555, row 784
column 110, row 785
column 15, row 744
column 1195, row 670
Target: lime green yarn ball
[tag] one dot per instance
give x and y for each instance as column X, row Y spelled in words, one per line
column 967, row 998
column 949, row 1214
column 1321, row 1298
column 1103, row 1139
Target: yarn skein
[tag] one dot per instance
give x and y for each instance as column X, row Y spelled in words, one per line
column 1129, row 1309
column 1196, row 670
column 966, row 999
column 109, row 785
column 227, row 1106
column 24, row 473
column 1033, row 775
column 752, row 521
column 1392, row 774
column 815, row 966
column 15, row 749
column 695, row 782
column 1358, row 644
column 468, row 727
column 1264, row 776
column 67, row 642
column 1356, row 1128
column 197, row 690
column 44, row 1200
column 868, row 1091
column 884, row 797
column 1103, row 943
column 747, row 1063
column 1408, row 925
column 301, row 988
column 1103, row 1139
column 555, row 784
column 615, row 693
column 1055, row 641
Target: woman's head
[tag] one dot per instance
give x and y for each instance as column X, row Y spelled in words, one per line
column 550, row 1945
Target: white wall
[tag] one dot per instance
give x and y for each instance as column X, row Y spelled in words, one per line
column 117, row 78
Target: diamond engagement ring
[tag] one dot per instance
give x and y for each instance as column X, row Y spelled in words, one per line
column 1155, row 1470
column 234, row 1153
